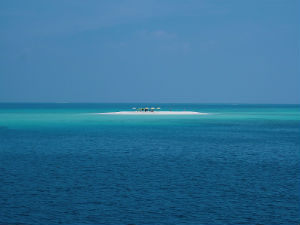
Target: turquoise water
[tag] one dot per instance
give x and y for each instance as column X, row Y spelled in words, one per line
column 66, row 164
column 33, row 116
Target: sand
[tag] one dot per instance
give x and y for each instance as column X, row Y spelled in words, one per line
column 155, row 113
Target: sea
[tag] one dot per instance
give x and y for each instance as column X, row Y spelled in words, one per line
column 62, row 163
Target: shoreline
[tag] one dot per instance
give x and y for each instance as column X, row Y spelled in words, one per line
column 154, row 113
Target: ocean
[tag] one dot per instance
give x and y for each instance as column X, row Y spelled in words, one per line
column 62, row 163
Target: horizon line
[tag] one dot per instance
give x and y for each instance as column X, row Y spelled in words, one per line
column 225, row 103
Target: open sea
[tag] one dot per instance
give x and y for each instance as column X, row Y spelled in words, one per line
column 65, row 164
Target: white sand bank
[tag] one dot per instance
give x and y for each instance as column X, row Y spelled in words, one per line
column 155, row 113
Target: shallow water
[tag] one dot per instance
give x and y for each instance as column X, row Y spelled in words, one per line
column 64, row 164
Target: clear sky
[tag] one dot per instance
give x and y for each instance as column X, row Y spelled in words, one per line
column 149, row 51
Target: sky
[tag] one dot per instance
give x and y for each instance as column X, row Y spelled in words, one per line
column 191, row 51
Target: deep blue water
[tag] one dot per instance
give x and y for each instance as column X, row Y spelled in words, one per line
column 64, row 164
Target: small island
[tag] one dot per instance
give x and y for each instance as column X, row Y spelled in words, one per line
column 153, row 111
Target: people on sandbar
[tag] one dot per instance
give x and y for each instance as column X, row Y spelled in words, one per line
column 146, row 109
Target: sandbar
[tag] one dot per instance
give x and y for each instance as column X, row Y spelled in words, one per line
column 155, row 113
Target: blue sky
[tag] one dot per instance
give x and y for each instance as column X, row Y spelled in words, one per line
column 150, row 51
